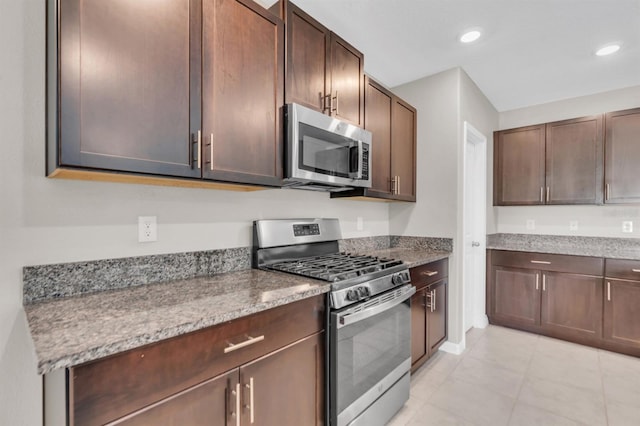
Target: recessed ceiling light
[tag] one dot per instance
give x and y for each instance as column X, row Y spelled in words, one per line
column 608, row 49
column 470, row 36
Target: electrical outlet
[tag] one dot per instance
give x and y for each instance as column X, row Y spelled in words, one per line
column 359, row 223
column 531, row 224
column 147, row 229
column 627, row 226
column 573, row 225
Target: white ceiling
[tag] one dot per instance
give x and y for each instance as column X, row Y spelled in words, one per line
column 532, row 51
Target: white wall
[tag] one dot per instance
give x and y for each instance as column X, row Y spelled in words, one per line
column 601, row 221
column 47, row 221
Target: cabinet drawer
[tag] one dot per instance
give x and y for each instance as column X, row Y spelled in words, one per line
column 583, row 265
column 624, row 269
column 430, row 273
column 107, row 389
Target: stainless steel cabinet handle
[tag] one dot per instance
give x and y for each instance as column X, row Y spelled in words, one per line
column 324, row 102
column 393, row 185
column 250, row 406
column 433, row 301
column 236, row 414
column 250, row 341
column 606, row 192
column 429, row 273
column 541, row 262
column 635, row 270
column 199, row 149
column 541, row 194
column 547, row 194
column 608, row 291
column 337, row 104
column 211, row 152
column 537, row 281
column 544, row 282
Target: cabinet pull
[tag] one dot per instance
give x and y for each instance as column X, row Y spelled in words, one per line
column 544, row 282
column 635, row 270
column 323, row 101
column 541, row 194
column 433, row 301
column 337, row 103
column 236, row 414
column 250, row 341
column 547, row 194
column 398, row 179
column 537, row 281
column 211, row 152
column 541, row 262
column 429, row 273
column 606, row 192
column 199, row 148
column 250, row 406
column 608, row 291
column 393, row 185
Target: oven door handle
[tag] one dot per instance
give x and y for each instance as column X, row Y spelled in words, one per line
column 347, row 318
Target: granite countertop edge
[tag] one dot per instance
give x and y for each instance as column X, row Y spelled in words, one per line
column 50, row 359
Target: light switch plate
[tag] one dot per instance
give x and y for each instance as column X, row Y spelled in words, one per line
column 627, row 226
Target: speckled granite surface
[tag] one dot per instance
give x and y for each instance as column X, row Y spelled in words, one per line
column 614, row 248
column 360, row 245
column 71, row 279
column 411, row 256
column 75, row 330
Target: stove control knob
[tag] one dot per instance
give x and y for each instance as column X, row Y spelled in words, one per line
column 352, row 295
column 397, row 279
column 363, row 292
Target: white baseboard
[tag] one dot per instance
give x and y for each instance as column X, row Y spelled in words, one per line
column 453, row 348
column 482, row 321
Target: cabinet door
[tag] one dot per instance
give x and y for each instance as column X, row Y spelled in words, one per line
column 621, row 313
column 347, row 81
column 519, row 166
column 622, row 156
column 418, row 325
column 572, row 305
column 437, row 316
column 403, row 154
column 574, row 166
column 377, row 120
column 211, row 403
column 516, row 295
column 307, row 52
column 129, row 93
column 285, row 387
column 243, row 86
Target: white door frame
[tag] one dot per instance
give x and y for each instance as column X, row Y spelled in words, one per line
column 474, row 229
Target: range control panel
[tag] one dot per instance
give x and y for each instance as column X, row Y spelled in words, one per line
column 306, row 230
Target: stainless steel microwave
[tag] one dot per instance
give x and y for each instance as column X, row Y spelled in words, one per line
column 324, row 153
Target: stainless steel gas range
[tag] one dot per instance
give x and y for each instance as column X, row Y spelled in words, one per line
column 368, row 321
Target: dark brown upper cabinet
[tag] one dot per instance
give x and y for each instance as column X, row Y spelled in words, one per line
column 392, row 123
column 180, row 89
column 323, row 71
column 553, row 163
column 622, row 156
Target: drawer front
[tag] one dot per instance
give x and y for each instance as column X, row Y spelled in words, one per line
column 430, row 273
column 107, row 389
column 624, row 269
column 583, row 265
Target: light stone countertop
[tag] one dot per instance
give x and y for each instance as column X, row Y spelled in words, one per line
column 74, row 330
column 613, row 248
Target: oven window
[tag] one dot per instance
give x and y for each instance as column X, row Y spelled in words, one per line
column 327, row 153
column 367, row 351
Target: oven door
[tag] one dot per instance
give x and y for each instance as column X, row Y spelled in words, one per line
column 370, row 350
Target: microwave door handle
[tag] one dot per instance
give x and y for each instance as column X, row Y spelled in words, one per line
column 347, row 318
column 357, row 174
column 360, row 158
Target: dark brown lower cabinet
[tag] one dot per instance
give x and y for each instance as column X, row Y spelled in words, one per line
column 567, row 297
column 428, row 311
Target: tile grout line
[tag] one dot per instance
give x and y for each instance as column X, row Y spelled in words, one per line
column 524, row 379
column 604, row 395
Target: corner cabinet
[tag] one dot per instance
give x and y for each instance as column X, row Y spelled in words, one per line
column 180, row 89
column 622, row 156
column 267, row 368
column 393, row 124
column 553, row 163
column 428, row 310
column 323, row 71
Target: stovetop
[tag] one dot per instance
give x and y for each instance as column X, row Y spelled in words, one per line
column 336, row 267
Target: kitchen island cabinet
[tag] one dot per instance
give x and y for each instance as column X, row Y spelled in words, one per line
column 185, row 92
column 243, row 366
column 553, row 163
column 428, row 310
column 392, row 122
column 323, row 71
column 622, row 156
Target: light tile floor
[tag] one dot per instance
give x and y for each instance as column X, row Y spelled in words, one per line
column 509, row 377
